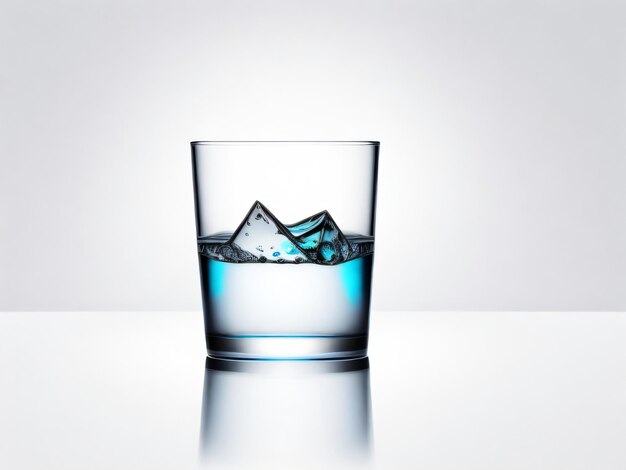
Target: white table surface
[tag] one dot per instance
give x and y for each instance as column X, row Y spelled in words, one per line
column 466, row 390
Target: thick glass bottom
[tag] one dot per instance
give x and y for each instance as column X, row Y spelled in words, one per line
column 287, row 347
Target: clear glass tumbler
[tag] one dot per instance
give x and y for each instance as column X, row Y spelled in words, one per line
column 286, row 245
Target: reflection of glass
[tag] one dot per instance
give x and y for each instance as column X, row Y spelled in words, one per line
column 285, row 235
column 273, row 412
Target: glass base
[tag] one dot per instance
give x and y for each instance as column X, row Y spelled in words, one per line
column 287, row 347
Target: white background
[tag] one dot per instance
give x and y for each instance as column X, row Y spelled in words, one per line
column 503, row 129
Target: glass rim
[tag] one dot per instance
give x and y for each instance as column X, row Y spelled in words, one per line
column 285, row 142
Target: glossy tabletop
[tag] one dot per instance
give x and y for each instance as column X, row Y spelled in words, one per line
column 441, row 390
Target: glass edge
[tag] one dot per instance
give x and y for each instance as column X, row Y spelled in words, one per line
column 279, row 142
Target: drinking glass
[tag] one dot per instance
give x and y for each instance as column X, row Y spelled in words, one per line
column 285, row 235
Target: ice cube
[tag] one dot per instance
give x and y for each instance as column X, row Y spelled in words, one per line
column 320, row 238
column 263, row 236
